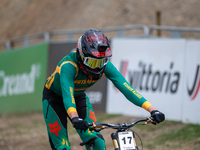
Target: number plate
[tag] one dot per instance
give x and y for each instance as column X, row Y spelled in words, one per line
column 126, row 141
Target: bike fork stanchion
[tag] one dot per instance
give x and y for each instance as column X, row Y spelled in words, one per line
column 115, row 142
column 135, row 141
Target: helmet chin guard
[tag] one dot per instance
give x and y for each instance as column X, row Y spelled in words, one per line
column 93, row 53
column 93, row 74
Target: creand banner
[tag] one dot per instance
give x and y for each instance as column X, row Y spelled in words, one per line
column 22, row 77
column 164, row 71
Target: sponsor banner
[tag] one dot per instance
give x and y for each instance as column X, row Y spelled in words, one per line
column 22, row 77
column 56, row 52
column 191, row 92
column 155, row 68
column 96, row 93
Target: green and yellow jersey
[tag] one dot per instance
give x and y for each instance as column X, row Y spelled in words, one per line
column 68, row 81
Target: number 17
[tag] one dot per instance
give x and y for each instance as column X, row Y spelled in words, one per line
column 129, row 138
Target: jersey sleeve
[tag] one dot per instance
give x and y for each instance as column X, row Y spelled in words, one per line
column 67, row 74
column 125, row 88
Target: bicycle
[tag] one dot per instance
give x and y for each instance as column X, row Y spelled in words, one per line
column 123, row 138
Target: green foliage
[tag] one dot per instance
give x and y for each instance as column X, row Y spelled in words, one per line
column 186, row 133
column 172, row 135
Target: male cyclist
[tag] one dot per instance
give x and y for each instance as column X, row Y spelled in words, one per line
column 64, row 97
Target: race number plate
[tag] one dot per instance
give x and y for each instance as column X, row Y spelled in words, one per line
column 126, row 141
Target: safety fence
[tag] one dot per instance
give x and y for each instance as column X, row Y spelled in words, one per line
column 135, row 31
column 176, row 32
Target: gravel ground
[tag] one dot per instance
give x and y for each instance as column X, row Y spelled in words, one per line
column 28, row 131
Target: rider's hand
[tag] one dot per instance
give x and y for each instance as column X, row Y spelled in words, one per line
column 158, row 116
column 79, row 123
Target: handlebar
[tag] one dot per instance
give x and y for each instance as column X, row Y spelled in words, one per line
column 100, row 126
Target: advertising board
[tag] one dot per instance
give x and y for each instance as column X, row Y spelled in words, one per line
column 191, row 92
column 157, row 70
column 22, row 77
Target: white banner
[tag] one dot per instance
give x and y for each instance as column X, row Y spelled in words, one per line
column 191, row 92
column 157, row 70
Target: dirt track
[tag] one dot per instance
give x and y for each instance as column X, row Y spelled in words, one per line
column 28, row 132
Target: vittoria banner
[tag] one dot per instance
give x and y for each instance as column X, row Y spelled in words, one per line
column 191, row 91
column 166, row 72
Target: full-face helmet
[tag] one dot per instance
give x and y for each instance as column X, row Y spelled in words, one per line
column 93, row 53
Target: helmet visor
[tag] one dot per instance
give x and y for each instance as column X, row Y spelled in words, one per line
column 95, row 63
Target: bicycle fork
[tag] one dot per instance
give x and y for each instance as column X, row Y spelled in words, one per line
column 114, row 137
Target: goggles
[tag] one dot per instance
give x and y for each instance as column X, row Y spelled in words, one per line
column 95, row 63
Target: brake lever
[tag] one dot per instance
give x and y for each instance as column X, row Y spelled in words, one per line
column 150, row 120
column 94, row 127
column 96, row 130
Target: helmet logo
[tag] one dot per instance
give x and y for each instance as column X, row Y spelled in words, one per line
column 102, row 54
column 92, row 38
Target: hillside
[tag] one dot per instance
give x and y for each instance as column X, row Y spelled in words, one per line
column 25, row 17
